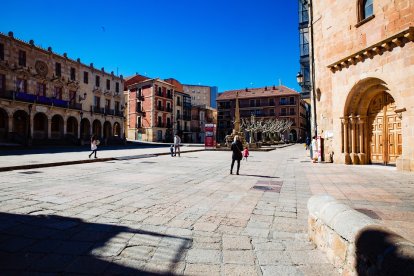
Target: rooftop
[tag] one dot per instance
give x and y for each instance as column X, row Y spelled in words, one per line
column 267, row 91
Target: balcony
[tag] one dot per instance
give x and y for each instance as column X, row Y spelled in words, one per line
column 282, row 114
column 119, row 113
column 109, row 111
column 160, row 124
column 179, row 117
column 169, row 96
column 168, row 109
column 160, row 108
column 31, row 98
column 97, row 109
column 287, row 103
column 140, row 111
column 178, row 104
column 169, row 125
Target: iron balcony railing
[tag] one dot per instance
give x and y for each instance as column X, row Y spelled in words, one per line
column 43, row 100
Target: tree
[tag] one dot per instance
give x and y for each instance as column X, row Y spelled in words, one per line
column 268, row 126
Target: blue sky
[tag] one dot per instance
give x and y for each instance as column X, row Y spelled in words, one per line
column 231, row 44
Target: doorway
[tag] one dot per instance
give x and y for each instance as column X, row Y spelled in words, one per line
column 385, row 135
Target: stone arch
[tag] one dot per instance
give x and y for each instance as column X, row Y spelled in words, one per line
column 20, row 126
column 97, row 128
column 40, row 126
column 85, row 129
column 72, row 127
column 107, row 130
column 4, row 124
column 57, row 127
column 356, row 124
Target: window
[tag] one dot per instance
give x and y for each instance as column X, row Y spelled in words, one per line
column 108, row 84
column 41, row 89
column 116, row 106
column 292, row 111
column 159, row 105
column 22, row 58
column 271, row 102
column 159, row 91
column 282, row 101
column 58, row 92
column 2, row 83
column 178, row 101
column 368, row 8
column 58, row 69
column 97, row 81
column 21, row 85
column 304, row 42
column 85, row 77
column 72, row 97
column 97, row 101
column 107, row 104
column 271, row 112
column 291, row 100
column 138, row 121
column 168, row 107
column 159, row 121
column 1, row 51
column 168, row 122
column 72, row 74
column 117, row 87
column 283, row 113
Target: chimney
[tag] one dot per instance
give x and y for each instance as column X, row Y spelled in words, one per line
column 265, row 88
column 274, row 87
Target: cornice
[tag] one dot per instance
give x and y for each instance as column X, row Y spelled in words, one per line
column 388, row 44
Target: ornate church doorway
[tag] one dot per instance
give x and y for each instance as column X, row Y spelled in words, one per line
column 385, row 137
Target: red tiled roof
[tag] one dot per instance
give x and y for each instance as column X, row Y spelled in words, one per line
column 135, row 79
column 178, row 86
column 268, row 91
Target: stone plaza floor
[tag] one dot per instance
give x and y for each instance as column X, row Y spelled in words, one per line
column 185, row 215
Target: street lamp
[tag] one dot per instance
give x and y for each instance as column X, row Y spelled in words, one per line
column 299, row 78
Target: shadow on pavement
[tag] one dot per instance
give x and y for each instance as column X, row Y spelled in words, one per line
column 381, row 252
column 55, row 244
column 264, row 176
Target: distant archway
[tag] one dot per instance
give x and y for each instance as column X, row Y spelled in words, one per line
column 97, row 128
column 4, row 124
column 72, row 127
column 57, row 127
column 20, row 126
column 85, row 128
column 40, row 126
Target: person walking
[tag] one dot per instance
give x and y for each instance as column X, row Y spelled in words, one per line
column 236, row 148
column 172, row 150
column 245, row 153
column 94, row 145
column 177, row 142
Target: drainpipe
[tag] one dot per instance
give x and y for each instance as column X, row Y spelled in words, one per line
column 315, row 125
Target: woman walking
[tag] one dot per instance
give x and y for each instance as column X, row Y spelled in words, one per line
column 94, row 145
column 236, row 148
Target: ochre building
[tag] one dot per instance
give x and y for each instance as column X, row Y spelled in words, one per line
column 278, row 102
column 47, row 98
column 364, row 80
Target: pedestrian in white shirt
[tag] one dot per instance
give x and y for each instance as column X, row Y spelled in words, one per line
column 177, row 142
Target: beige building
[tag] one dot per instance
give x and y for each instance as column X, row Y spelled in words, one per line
column 48, row 98
column 364, row 80
column 201, row 94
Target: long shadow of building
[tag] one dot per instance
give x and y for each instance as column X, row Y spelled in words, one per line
column 62, row 245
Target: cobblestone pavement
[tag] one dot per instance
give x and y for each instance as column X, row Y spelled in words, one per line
column 184, row 215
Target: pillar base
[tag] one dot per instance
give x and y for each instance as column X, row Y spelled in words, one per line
column 354, row 158
column 348, row 160
column 362, row 158
column 405, row 164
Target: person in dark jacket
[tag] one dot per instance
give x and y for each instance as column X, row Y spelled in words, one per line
column 236, row 148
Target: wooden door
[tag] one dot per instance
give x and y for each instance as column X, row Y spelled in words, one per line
column 386, row 137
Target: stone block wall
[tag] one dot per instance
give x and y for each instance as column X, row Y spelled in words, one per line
column 356, row 244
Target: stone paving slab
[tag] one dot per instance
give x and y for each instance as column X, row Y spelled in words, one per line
column 184, row 215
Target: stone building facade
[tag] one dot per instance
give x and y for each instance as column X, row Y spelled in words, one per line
column 364, row 80
column 277, row 102
column 149, row 109
column 47, row 98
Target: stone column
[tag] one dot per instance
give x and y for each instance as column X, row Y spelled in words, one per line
column 362, row 155
column 65, row 125
column 354, row 156
column 49, row 128
column 346, row 141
